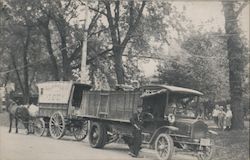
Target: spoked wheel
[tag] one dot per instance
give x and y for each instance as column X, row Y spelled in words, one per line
column 39, row 127
column 164, row 147
column 57, row 125
column 206, row 153
column 80, row 130
column 97, row 135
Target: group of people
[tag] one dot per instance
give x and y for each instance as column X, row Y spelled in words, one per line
column 222, row 118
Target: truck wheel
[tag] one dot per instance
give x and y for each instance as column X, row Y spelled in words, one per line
column 97, row 135
column 80, row 130
column 39, row 127
column 206, row 153
column 57, row 125
column 164, row 147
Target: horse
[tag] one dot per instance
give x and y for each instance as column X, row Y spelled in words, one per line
column 19, row 113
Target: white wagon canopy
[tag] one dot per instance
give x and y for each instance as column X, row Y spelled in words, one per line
column 54, row 92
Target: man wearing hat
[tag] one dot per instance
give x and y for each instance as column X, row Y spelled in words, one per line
column 136, row 141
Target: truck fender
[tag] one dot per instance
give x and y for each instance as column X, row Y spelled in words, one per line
column 163, row 129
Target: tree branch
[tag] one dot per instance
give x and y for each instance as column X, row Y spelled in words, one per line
column 94, row 57
column 131, row 12
column 133, row 26
column 67, row 5
column 117, row 17
column 98, row 32
column 93, row 9
column 241, row 8
column 93, row 22
column 111, row 23
column 98, row 55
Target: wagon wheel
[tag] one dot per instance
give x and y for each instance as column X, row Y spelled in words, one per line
column 164, row 147
column 57, row 125
column 80, row 131
column 39, row 127
column 97, row 135
column 206, row 153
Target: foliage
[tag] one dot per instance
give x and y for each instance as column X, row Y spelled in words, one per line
column 129, row 35
column 203, row 66
column 140, row 29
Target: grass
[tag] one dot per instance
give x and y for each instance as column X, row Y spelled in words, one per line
column 232, row 145
column 229, row 145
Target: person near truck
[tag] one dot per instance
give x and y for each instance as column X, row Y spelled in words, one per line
column 136, row 140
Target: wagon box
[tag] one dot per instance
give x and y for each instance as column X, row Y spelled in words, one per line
column 110, row 105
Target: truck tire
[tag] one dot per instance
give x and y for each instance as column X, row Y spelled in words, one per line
column 164, row 146
column 97, row 135
column 206, row 153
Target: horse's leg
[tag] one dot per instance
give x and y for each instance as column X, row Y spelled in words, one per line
column 16, row 125
column 10, row 119
column 26, row 124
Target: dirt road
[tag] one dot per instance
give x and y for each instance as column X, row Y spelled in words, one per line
column 29, row 147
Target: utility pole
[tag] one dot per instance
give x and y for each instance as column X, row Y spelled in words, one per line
column 84, row 73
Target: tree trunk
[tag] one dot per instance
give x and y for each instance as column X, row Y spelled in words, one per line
column 119, row 69
column 61, row 24
column 13, row 60
column 26, row 94
column 235, row 54
column 118, row 45
column 51, row 54
column 43, row 24
column 46, row 33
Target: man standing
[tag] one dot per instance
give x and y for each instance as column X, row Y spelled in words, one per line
column 228, row 118
column 136, row 141
column 221, row 116
column 215, row 114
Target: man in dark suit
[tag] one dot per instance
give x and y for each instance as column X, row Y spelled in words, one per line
column 136, row 141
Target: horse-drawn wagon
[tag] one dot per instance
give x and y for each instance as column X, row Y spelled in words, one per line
column 170, row 121
column 56, row 103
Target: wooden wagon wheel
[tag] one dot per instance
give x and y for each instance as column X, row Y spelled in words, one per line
column 39, row 127
column 57, row 125
column 80, row 130
column 164, row 147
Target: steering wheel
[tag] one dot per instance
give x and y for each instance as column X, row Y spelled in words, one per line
column 147, row 115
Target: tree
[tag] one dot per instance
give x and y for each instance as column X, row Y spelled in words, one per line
column 132, row 26
column 43, row 25
column 22, row 35
column 235, row 48
column 21, row 49
column 117, row 30
column 199, row 66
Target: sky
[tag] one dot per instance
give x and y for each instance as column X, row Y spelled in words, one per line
column 200, row 12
